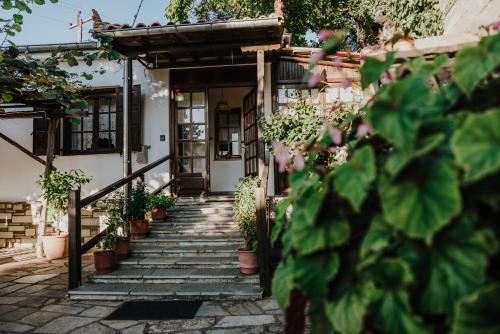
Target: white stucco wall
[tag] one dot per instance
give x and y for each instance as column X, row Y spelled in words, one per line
column 18, row 172
column 463, row 16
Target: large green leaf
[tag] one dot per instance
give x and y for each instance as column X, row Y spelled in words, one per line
column 478, row 313
column 422, row 67
column 378, row 237
column 392, row 314
column 475, row 63
column 353, row 178
column 372, row 69
column 283, row 283
column 319, row 319
column 457, row 266
column 396, row 112
column 346, row 313
column 392, row 273
column 476, row 144
column 422, row 200
column 328, row 233
column 312, row 273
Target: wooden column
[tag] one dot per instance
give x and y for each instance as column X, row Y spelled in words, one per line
column 74, row 249
column 127, row 106
column 260, row 109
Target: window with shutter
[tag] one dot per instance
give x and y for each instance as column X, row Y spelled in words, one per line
column 40, row 135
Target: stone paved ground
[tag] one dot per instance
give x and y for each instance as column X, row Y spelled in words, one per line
column 33, row 300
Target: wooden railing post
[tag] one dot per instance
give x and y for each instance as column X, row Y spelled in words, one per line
column 264, row 247
column 74, row 231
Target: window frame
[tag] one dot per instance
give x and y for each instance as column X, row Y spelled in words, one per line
column 95, row 95
column 218, row 157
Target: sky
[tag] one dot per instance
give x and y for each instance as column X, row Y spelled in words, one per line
column 50, row 23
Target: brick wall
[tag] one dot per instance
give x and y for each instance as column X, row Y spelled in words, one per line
column 18, row 223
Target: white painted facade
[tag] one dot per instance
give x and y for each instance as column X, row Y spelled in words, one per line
column 467, row 16
column 19, row 172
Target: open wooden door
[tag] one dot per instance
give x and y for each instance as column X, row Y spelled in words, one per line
column 191, row 149
column 250, row 135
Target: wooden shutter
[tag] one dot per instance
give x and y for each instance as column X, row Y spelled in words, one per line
column 40, row 135
column 135, row 119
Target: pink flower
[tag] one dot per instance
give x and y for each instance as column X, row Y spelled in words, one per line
column 494, row 26
column 314, row 79
column 346, row 83
column 325, row 34
column 332, row 149
column 316, row 57
column 363, row 130
column 380, row 19
column 299, row 162
column 335, row 135
column 337, row 62
column 281, row 154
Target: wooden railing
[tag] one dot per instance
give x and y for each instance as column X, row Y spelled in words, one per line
column 75, row 204
column 263, row 234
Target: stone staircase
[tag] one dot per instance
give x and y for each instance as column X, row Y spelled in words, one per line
column 192, row 255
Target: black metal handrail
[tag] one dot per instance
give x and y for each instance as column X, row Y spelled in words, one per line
column 75, row 204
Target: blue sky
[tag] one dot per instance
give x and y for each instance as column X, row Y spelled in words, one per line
column 50, row 23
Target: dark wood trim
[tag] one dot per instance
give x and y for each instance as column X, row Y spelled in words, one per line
column 74, row 249
column 24, row 150
column 217, row 157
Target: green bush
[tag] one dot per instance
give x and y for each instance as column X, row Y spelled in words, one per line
column 138, row 202
column 404, row 236
column 245, row 214
column 115, row 213
column 161, row 201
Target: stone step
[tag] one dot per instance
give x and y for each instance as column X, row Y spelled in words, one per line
column 182, row 242
column 182, row 275
column 199, row 215
column 193, row 223
column 202, row 251
column 208, row 209
column 195, row 229
column 199, row 218
column 193, row 233
column 156, row 291
column 180, row 262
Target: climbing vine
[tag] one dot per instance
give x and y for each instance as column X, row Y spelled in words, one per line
column 404, row 236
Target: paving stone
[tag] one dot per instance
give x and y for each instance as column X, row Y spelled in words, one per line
column 64, row 324
column 40, row 317
column 98, row 311
column 67, row 309
column 253, row 308
column 9, row 300
column 171, row 326
column 95, row 327
column 249, row 320
column 18, row 313
column 138, row 329
column 32, row 279
column 235, row 308
column 211, row 309
column 12, row 288
column 119, row 324
column 31, row 289
column 247, row 330
column 268, row 304
column 16, row 328
column 7, row 308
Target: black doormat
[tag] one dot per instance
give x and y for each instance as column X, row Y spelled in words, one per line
column 156, row 310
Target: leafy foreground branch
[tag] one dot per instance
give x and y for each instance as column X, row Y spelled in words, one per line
column 404, row 236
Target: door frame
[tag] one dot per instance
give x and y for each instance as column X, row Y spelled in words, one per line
column 173, row 115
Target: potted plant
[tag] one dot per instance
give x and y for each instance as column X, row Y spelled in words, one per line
column 104, row 258
column 55, row 188
column 158, row 204
column 246, row 218
column 137, row 208
column 116, row 217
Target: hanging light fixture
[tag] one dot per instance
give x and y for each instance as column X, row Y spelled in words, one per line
column 222, row 105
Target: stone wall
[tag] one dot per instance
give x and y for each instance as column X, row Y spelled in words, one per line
column 18, row 223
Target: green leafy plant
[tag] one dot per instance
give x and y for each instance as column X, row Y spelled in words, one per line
column 115, row 213
column 138, row 202
column 161, row 201
column 404, row 236
column 108, row 241
column 55, row 188
column 245, row 214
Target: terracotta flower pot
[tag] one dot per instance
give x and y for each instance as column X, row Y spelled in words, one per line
column 55, row 246
column 248, row 261
column 158, row 214
column 139, row 229
column 122, row 248
column 104, row 262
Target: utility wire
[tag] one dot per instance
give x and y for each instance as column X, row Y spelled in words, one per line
column 136, row 14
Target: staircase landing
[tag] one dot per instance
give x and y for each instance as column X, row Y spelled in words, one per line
column 190, row 256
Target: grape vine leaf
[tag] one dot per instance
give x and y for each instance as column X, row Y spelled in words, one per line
column 353, row 178
column 313, row 272
column 457, row 266
column 475, row 63
column 478, row 313
column 378, row 237
column 422, row 200
column 372, row 69
column 346, row 313
column 282, row 283
column 476, row 144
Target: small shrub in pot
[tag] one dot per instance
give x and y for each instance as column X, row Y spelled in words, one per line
column 158, row 204
column 115, row 214
column 104, row 258
column 137, row 207
column 246, row 218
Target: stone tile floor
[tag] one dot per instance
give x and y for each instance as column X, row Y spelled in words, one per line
column 33, row 300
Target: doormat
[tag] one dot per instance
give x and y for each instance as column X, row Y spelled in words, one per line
column 156, row 310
